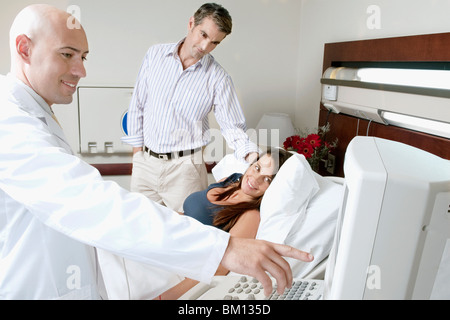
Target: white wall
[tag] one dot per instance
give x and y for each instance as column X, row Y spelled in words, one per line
column 261, row 53
column 274, row 54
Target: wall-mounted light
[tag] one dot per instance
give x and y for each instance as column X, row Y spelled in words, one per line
column 423, row 78
column 434, row 127
column 416, row 99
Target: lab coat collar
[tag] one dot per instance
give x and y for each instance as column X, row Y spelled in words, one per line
column 27, row 99
column 44, row 105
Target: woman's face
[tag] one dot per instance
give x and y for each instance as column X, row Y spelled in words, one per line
column 258, row 177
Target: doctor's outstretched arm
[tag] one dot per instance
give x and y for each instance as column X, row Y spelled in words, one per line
column 256, row 257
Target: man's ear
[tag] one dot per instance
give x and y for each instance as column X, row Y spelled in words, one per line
column 191, row 23
column 23, row 47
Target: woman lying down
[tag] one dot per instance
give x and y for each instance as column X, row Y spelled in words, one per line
column 232, row 205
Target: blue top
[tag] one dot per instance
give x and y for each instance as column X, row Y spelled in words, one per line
column 199, row 207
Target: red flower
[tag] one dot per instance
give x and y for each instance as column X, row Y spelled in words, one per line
column 287, row 143
column 314, row 140
column 296, row 142
column 306, row 149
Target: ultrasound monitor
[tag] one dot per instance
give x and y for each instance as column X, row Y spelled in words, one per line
column 393, row 235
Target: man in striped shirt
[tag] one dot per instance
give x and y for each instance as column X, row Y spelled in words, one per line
column 177, row 87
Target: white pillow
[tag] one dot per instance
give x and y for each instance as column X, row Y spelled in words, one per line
column 315, row 231
column 286, row 199
column 227, row 166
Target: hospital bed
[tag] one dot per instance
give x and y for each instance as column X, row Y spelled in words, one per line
column 299, row 208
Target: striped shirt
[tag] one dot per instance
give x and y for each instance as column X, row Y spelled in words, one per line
column 170, row 106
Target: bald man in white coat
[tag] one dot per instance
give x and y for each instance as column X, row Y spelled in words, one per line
column 55, row 209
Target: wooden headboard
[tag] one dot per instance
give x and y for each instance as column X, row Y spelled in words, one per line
column 420, row 49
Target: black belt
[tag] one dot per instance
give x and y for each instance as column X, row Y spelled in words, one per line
column 170, row 155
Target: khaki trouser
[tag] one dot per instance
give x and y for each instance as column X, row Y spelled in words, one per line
column 168, row 182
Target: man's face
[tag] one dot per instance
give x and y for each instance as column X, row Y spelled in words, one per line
column 57, row 64
column 203, row 38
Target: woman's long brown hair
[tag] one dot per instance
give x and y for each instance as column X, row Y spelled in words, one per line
column 226, row 218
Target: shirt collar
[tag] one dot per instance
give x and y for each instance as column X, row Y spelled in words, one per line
column 205, row 61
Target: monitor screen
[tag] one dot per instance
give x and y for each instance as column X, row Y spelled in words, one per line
column 393, row 233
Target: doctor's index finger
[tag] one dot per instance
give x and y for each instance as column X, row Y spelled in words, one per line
column 291, row 252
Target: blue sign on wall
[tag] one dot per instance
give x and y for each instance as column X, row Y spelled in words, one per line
column 124, row 123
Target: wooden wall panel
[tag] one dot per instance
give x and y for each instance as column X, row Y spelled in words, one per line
column 431, row 47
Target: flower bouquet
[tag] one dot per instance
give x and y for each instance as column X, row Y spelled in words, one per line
column 313, row 146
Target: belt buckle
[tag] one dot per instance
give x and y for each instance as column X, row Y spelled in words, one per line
column 163, row 157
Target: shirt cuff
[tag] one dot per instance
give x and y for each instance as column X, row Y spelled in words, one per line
column 245, row 149
column 135, row 141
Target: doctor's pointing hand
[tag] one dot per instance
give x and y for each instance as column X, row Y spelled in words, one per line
column 55, row 208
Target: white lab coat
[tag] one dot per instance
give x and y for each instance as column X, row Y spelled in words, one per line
column 55, row 208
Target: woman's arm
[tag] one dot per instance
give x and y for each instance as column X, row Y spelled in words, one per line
column 247, row 225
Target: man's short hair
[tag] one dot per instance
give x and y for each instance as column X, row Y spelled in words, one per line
column 217, row 13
